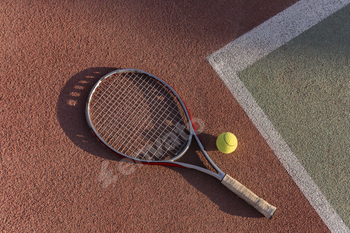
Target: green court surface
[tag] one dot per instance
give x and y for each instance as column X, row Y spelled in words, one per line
column 304, row 89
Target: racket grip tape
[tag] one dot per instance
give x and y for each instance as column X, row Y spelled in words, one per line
column 240, row 190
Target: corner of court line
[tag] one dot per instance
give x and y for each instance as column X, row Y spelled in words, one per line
column 257, row 44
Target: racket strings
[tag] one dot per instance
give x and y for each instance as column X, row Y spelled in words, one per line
column 132, row 110
column 136, row 120
column 113, row 117
column 116, row 91
column 107, row 107
column 127, row 105
column 159, row 129
column 101, row 92
column 144, row 132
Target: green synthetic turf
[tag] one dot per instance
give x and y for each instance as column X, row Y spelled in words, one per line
column 304, row 89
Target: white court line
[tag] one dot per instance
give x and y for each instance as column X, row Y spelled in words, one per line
column 256, row 44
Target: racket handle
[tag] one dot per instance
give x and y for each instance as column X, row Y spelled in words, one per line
column 240, row 190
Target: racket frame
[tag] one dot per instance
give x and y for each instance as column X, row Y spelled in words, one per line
column 169, row 162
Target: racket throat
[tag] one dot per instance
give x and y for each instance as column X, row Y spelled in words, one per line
column 219, row 175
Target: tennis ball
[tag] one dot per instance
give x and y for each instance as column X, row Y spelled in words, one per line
column 226, row 142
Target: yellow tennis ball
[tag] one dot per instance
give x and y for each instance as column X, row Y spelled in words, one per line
column 226, row 142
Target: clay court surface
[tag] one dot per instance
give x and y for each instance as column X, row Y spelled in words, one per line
column 56, row 177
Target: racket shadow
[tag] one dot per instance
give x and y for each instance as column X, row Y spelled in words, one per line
column 71, row 111
column 71, row 116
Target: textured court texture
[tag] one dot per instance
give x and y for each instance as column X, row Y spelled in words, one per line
column 54, row 174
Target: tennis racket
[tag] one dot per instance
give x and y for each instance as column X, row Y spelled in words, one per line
column 140, row 117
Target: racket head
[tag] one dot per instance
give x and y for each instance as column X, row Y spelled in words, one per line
column 139, row 116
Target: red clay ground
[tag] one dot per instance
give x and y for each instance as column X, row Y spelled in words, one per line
column 52, row 52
